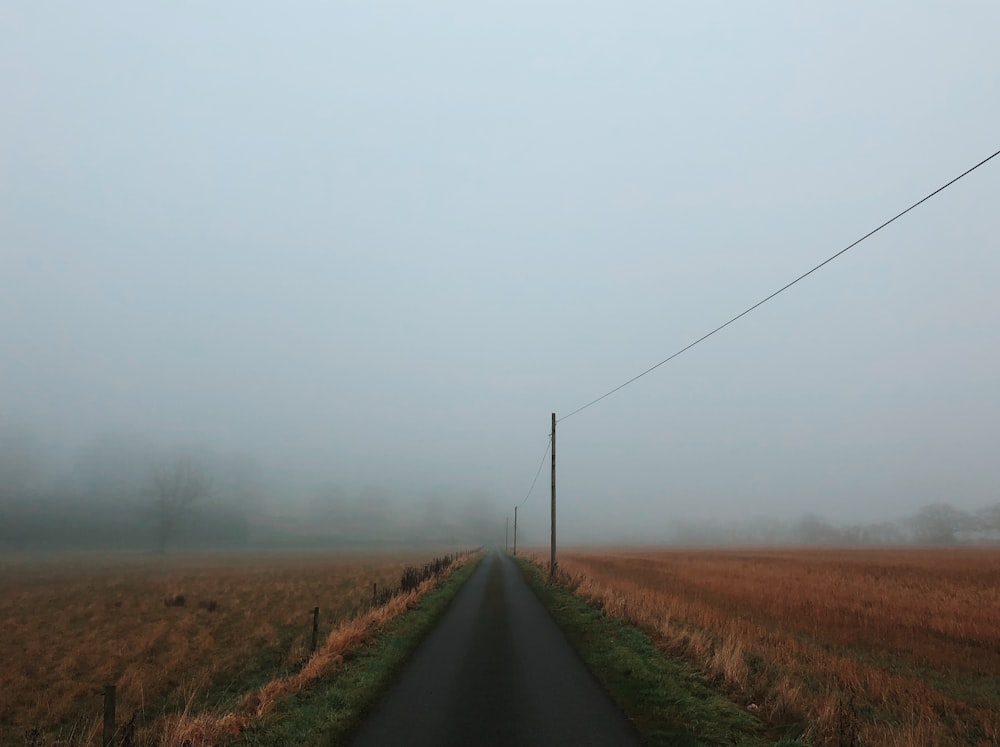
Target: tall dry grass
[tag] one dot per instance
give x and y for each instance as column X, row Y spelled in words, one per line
column 72, row 625
column 190, row 730
column 867, row 647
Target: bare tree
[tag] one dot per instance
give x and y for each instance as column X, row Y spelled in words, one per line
column 20, row 463
column 988, row 523
column 175, row 489
column 940, row 524
column 815, row 530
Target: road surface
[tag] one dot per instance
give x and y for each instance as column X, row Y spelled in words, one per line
column 495, row 670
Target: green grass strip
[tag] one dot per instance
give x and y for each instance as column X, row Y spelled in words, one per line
column 329, row 711
column 668, row 700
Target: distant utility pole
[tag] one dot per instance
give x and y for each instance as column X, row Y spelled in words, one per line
column 552, row 552
column 506, row 532
column 515, row 531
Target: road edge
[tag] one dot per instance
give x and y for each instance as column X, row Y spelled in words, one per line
column 667, row 699
column 331, row 710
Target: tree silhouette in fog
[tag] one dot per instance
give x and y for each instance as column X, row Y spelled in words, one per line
column 176, row 488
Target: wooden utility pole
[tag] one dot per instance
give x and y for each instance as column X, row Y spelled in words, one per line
column 552, row 551
column 515, row 531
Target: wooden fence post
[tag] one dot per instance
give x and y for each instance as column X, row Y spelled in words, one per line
column 108, row 737
column 315, row 628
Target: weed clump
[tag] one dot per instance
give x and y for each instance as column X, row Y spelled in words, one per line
column 413, row 576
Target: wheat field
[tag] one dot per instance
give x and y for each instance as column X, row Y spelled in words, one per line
column 193, row 634
column 855, row 647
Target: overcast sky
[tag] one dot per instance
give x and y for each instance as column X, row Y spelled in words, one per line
column 379, row 243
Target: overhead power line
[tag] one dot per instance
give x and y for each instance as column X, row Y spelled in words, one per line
column 780, row 290
column 541, row 464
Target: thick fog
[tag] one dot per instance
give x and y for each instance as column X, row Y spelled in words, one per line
column 342, row 261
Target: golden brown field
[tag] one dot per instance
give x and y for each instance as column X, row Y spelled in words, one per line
column 239, row 640
column 870, row 647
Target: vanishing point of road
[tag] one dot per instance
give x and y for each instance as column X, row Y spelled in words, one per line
column 495, row 670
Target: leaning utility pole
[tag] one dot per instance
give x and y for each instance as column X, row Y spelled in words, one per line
column 552, row 552
column 515, row 530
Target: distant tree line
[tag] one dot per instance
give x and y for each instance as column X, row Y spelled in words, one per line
column 938, row 524
column 372, row 515
column 122, row 491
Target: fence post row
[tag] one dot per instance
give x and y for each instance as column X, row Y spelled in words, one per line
column 108, row 734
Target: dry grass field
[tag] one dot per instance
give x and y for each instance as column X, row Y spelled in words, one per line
column 862, row 647
column 237, row 640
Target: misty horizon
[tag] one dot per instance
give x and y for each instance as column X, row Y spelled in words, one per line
column 368, row 250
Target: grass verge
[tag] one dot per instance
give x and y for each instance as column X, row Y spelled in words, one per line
column 329, row 711
column 668, row 700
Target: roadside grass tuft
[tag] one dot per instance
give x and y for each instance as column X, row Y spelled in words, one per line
column 668, row 700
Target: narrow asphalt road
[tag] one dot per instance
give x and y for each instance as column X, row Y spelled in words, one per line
column 496, row 670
